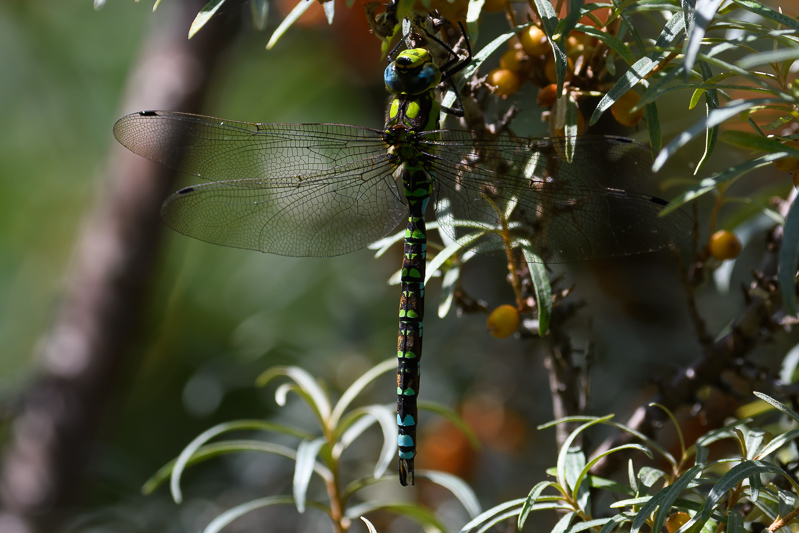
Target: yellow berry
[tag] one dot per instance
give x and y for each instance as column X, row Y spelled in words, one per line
column 724, row 245
column 548, row 95
column 512, row 60
column 503, row 321
column 621, row 109
column 505, row 82
column 534, row 41
column 788, row 164
column 676, row 521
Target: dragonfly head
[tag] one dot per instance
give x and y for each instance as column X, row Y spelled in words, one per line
column 413, row 72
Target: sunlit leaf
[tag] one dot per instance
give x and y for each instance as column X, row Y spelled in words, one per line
column 230, row 515
column 287, row 22
column 238, row 425
column 357, row 387
column 259, row 9
column 204, row 16
column 307, row 451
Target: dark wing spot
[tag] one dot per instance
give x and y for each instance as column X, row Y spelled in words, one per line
column 148, row 113
column 186, row 190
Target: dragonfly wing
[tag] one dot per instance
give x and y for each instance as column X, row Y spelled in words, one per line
column 318, row 214
column 566, row 210
column 220, row 150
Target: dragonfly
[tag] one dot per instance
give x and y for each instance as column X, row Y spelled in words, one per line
column 322, row 190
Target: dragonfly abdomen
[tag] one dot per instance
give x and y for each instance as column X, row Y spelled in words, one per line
column 417, row 188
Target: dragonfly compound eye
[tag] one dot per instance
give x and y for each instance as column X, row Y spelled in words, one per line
column 413, row 72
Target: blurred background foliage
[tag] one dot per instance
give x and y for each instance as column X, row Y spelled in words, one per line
column 216, row 317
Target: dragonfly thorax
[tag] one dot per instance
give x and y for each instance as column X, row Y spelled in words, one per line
column 417, row 113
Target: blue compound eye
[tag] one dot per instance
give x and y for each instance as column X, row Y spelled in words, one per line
column 413, row 72
column 423, row 79
column 393, row 80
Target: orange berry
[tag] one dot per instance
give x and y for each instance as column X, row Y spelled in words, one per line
column 548, row 95
column 724, row 245
column 512, row 60
column 676, row 521
column 534, row 41
column 621, row 109
column 551, row 72
column 503, row 321
column 788, row 164
column 505, row 82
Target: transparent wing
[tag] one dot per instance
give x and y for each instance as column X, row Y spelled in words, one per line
column 320, row 214
column 288, row 189
column 566, row 210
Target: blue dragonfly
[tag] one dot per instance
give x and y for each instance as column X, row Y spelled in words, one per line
column 321, row 190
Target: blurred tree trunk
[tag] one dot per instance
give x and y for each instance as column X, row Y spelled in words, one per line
column 81, row 356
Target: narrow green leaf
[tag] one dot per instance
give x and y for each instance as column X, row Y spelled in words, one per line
column 543, row 289
column 462, row 491
column 714, row 118
column 764, row 58
column 369, row 526
column 307, row 452
column 755, row 141
column 708, row 184
column 531, row 500
column 564, row 523
column 649, row 476
column 330, row 10
column 789, row 257
column 259, row 9
column 388, row 425
column 765, row 12
column 631, row 476
column 209, row 451
column 594, row 460
column 735, row 522
column 496, row 520
column 357, row 387
column 614, row 522
column 565, row 450
column 449, row 284
column 204, row 16
column 754, row 439
column 663, row 501
column 205, row 436
column 612, row 42
column 301, row 7
column 727, row 483
column 778, row 405
column 653, row 127
column 415, row 512
column 230, row 515
column 705, row 13
column 494, row 511
column 590, row 524
column 790, row 366
column 442, row 256
column 319, row 403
